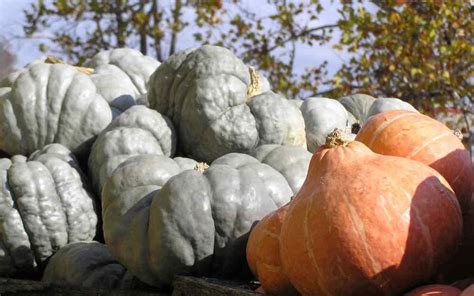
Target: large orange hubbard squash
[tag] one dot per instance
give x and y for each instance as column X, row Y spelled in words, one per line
column 367, row 224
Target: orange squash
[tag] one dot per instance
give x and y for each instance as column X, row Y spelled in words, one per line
column 367, row 224
column 263, row 254
column 434, row 290
column 422, row 138
column 469, row 291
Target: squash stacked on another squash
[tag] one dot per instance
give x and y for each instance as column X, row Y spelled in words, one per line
column 219, row 105
column 137, row 131
column 51, row 103
column 121, row 76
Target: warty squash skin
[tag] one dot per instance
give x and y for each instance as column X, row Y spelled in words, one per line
column 51, row 103
column 389, row 227
column 290, row 161
column 138, row 130
column 263, row 254
column 162, row 222
column 44, row 205
column 121, row 76
column 416, row 136
column 86, row 265
column 219, row 105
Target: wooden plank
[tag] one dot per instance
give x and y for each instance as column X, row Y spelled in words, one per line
column 16, row 287
column 193, row 286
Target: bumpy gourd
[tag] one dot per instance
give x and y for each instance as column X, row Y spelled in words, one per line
column 367, row 224
column 44, row 205
column 219, row 105
column 138, row 130
column 121, row 76
column 88, row 265
column 51, row 103
column 159, row 221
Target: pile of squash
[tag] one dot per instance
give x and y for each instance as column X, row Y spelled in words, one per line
column 128, row 172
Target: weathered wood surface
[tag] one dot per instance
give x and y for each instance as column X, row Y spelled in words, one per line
column 183, row 286
column 193, row 286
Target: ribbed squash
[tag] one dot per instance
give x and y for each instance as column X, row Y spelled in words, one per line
column 368, row 224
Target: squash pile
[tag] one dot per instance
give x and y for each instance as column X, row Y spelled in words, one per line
column 194, row 166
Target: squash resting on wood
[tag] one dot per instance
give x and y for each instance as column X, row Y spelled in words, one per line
column 44, row 205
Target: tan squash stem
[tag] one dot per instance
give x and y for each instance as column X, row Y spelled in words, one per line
column 254, row 87
column 201, row 167
column 336, row 138
column 55, row 60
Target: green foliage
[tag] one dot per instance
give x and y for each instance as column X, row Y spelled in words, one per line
column 268, row 39
column 81, row 28
column 419, row 51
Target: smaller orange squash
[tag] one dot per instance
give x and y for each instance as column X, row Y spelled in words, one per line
column 263, row 254
column 434, row 290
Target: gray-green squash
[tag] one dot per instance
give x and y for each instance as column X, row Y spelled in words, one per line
column 160, row 221
column 51, row 103
column 290, row 161
column 139, row 130
column 358, row 106
column 385, row 104
column 219, row 105
column 322, row 116
column 362, row 106
column 44, row 205
column 9, row 80
column 86, row 265
column 121, row 76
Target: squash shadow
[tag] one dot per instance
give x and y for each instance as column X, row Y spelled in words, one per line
column 431, row 241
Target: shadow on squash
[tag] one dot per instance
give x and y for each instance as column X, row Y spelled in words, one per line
column 431, row 241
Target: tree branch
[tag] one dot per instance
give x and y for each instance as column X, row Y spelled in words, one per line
column 175, row 26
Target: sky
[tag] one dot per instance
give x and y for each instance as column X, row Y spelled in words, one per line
column 12, row 19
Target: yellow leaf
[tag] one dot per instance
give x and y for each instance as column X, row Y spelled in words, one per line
column 446, row 75
column 391, row 67
column 415, row 71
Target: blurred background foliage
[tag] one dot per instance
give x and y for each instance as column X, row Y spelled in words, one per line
column 418, row 51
